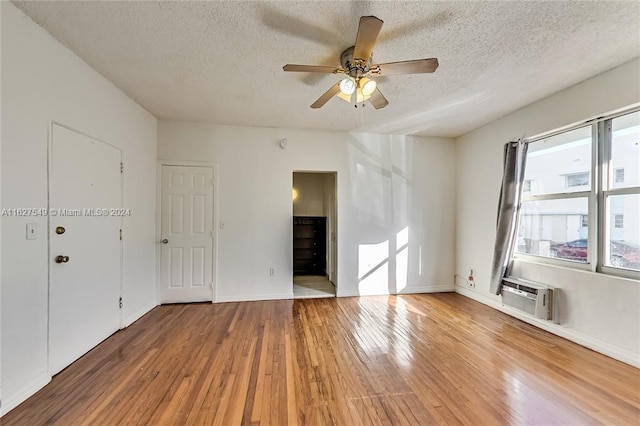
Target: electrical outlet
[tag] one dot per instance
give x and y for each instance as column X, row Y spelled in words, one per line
column 272, row 272
column 471, row 279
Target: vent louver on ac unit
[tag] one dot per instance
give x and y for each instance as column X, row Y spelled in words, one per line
column 532, row 298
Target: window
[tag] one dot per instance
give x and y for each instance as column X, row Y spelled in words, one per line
column 620, row 199
column 554, row 215
column 585, row 205
column 618, row 175
column 584, row 221
column 548, row 227
column 618, row 220
column 578, row 179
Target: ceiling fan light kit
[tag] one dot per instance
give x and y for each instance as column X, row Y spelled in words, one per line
column 348, row 86
column 367, row 86
column 356, row 63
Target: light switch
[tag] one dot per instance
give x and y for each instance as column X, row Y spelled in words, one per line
column 221, row 224
column 32, row 231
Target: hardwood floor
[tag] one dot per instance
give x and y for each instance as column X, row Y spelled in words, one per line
column 416, row 359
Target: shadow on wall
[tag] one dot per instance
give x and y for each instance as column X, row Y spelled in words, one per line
column 389, row 243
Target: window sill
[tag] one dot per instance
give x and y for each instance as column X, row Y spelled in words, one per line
column 625, row 274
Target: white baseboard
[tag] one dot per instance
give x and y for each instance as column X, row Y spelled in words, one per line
column 357, row 294
column 12, row 401
column 253, row 297
column 582, row 339
column 346, row 293
column 412, row 289
column 139, row 314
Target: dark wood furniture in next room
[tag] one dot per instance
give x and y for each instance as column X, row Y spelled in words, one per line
column 309, row 245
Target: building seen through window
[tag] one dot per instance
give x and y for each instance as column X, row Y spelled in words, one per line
column 555, row 215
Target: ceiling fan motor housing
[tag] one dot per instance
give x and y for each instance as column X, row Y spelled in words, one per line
column 354, row 67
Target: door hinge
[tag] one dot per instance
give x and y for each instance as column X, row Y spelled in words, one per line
column 121, row 235
column 120, row 302
column 211, row 182
column 121, row 167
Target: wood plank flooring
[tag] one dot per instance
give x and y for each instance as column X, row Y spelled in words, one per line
column 415, row 359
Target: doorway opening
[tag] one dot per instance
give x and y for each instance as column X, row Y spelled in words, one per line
column 315, row 214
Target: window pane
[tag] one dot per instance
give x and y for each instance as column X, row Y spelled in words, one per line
column 625, row 151
column 618, row 176
column 561, row 163
column 623, row 232
column 554, row 228
column 618, row 221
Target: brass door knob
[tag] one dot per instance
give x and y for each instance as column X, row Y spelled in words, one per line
column 62, row 259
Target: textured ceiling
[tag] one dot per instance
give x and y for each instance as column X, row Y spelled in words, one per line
column 221, row 62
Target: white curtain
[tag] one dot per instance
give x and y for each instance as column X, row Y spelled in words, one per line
column 515, row 154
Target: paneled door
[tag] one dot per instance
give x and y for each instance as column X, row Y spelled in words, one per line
column 85, row 200
column 186, row 234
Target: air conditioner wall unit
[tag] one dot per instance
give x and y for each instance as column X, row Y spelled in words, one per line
column 533, row 298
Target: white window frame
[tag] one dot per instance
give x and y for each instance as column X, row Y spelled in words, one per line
column 607, row 189
column 601, row 187
column 588, row 194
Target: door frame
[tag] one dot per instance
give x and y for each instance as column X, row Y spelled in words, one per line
column 214, row 227
column 334, row 222
column 333, row 229
column 50, row 128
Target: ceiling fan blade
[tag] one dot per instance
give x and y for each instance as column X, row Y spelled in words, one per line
column 418, row 66
column 326, row 96
column 312, row 68
column 378, row 100
column 368, row 31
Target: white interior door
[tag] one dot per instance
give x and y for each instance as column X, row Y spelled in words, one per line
column 187, row 234
column 85, row 283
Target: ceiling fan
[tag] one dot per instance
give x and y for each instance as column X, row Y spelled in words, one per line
column 357, row 64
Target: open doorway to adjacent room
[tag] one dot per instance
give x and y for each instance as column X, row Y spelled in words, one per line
column 315, row 213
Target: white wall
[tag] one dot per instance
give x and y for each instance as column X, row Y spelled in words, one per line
column 311, row 196
column 386, row 184
column 599, row 311
column 44, row 81
column 1, row 132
